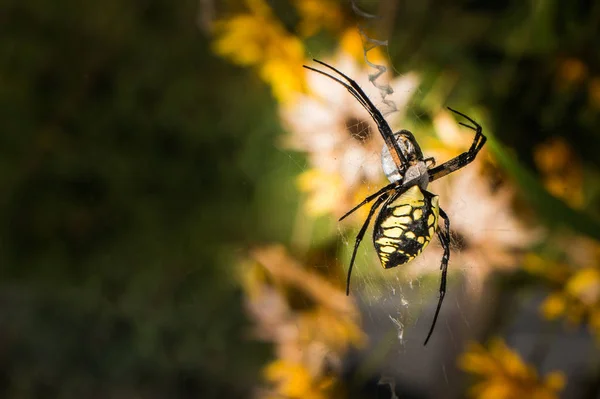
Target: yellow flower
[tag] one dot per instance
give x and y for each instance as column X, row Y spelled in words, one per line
column 316, row 15
column 585, row 286
column 319, row 14
column 352, row 43
column 311, row 322
column 336, row 331
column 325, row 190
column 556, row 272
column 561, row 170
column 294, row 380
column 576, row 292
column 554, row 306
column 578, row 300
column 258, row 39
column 504, row 375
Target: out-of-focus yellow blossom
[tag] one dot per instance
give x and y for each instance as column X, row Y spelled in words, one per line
column 358, row 196
column 325, row 190
column 585, row 286
column 311, row 322
column 556, row 272
column 576, row 293
column 578, row 301
column 505, row 376
column 319, row 14
column 352, row 43
column 294, row 380
column 259, row 40
column 335, row 330
column 561, row 170
column 280, row 273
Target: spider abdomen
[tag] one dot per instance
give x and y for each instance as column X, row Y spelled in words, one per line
column 405, row 226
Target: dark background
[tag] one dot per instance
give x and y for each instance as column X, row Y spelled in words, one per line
column 131, row 162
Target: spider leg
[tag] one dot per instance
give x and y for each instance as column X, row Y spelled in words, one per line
column 466, row 157
column 363, row 99
column 358, row 90
column 361, row 234
column 444, row 237
column 350, row 89
column 369, row 199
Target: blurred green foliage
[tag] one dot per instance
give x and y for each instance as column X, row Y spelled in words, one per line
column 131, row 161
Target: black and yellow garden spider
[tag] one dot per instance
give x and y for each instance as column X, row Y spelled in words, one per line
column 409, row 216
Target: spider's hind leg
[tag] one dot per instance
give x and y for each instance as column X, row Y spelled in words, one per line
column 444, row 237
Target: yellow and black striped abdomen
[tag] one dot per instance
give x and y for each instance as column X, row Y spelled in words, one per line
column 405, row 225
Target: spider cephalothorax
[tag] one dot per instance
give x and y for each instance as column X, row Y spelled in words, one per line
column 409, row 215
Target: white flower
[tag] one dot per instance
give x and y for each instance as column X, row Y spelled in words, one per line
column 337, row 133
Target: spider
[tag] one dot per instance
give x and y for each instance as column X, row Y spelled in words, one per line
column 409, row 214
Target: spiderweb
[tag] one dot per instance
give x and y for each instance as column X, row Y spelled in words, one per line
column 379, row 290
column 397, row 306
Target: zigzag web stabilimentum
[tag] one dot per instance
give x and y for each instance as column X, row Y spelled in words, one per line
column 369, row 44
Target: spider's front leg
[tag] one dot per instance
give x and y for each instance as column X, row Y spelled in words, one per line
column 369, row 199
column 466, row 157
